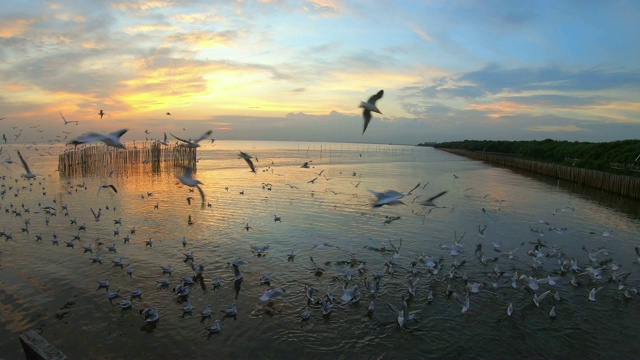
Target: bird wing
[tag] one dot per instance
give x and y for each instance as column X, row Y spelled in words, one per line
column 372, row 100
column 24, row 163
column 366, row 115
column 114, row 188
column 183, row 140
column 94, row 213
column 204, row 136
column 119, row 133
column 436, row 196
column 65, row 120
column 201, row 194
column 250, row 163
column 87, row 138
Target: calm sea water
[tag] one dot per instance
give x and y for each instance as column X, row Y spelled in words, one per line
column 53, row 289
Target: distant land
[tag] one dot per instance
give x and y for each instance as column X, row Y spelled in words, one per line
column 620, row 157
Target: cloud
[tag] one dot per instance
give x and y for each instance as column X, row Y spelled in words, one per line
column 495, row 79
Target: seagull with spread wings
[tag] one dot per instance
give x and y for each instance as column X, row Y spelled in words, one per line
column 68, row 122
column 187, row 179
column 194, row 143
column 370, row 106
column 111, row 139
column 27, row 172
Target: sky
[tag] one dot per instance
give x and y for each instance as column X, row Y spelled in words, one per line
column 297, row 70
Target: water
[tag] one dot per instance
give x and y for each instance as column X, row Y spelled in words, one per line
column 53, row 289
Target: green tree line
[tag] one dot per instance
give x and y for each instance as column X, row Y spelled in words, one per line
column 597, row 156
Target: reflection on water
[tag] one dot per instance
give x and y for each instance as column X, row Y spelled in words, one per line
column 52, row 288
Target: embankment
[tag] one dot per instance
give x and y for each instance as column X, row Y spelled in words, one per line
column 620, row 184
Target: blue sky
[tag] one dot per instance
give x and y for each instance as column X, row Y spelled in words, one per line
column 297, row 70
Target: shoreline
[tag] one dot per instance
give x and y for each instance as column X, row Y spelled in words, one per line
column 618, row 184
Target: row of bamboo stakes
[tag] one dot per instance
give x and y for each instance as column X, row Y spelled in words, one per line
column 140, row 158
column 620, row 184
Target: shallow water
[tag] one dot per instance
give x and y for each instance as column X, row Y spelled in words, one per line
column 53, row 288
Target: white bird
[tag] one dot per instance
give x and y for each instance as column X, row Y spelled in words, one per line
column 215, row 328
column 112, row 139
column 187, row 179
column 231, row 312
column 592, row 293
column 370, row 106
column 206, row 312
column 327, row 307
column 389, row 197
column 538, row 298
column 305, row 314
column 27, row 172
column 129, row 271
column 271, row 294
column 113, row 294
column 125, row 304
column 103, row 284
column 193, row 143
column 552, row 313
column 164, row 142
column 510, row 309
column 150, row 314
column 187, row 308
column 136, row 293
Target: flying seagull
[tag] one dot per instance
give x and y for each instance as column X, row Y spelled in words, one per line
column 248, row 158
column 27, row 172
column 193, row 143
column 370, row 106
column 187, row 179
column 68, row 122
column 112, row 139
column 101, row 113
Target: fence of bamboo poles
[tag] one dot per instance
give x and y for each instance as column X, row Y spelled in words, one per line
column 620, row 184
column 139, row 158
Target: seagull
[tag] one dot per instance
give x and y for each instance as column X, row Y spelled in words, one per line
column 187, row 179
column 305, row 314
column 106, row 186
column 271, row 294
column 538, row 298
column 27, row 172
column 193, row 143
column 67, row 122
column 101, row 113
column 592, row 293
column 96, row 216
column 112, row 139
column 206, row 312
column 187, row 309
column 215, row 328
column 247, row 158
column 164, row 142
column 368, row 107
column 125, row 304
column 150, row 314
column 231, row 312
column 389, row 197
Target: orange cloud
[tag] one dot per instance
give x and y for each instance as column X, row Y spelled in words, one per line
column 202, row 39
column 14, row 27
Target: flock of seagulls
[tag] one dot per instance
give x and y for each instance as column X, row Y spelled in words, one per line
column 542, row 272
